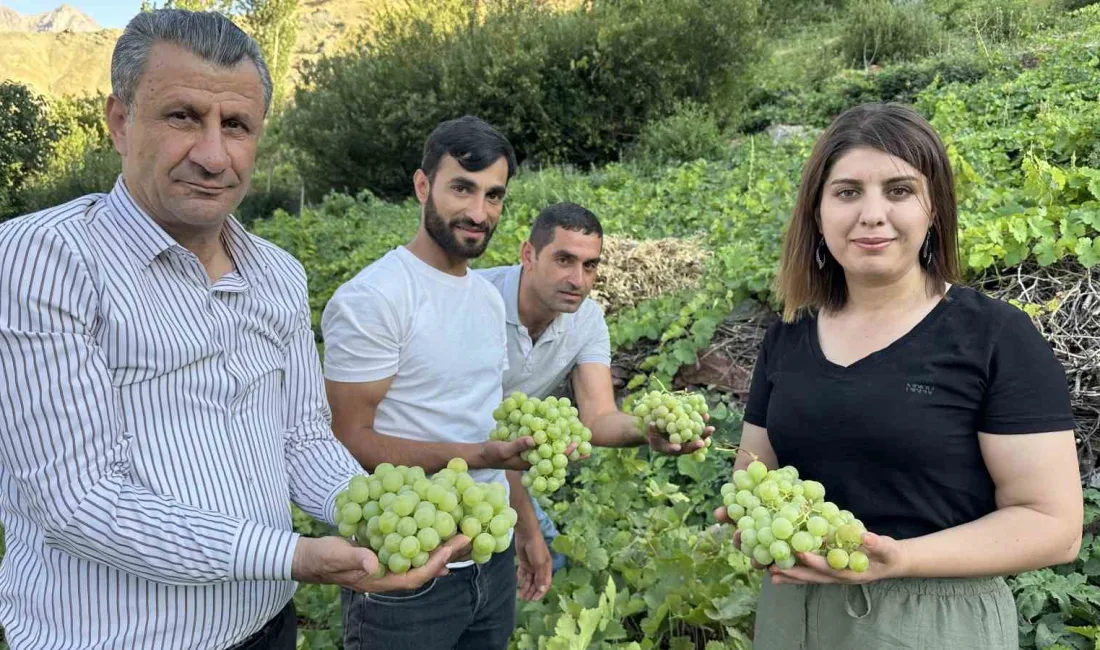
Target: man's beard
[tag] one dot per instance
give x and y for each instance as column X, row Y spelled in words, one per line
column 444, row 235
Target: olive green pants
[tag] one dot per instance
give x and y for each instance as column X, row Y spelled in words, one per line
column 904, row 614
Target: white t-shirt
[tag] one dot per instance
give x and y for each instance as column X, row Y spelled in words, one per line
column 442, row 339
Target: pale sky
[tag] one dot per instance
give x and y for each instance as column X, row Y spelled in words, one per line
column 108, row 13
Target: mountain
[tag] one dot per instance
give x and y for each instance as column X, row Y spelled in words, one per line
column 65, row 18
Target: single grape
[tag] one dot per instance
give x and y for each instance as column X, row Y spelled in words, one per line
column 406, row 526
column 429, row 539
column 817, row 526
column 762, row 555
column 398, row 563
column 470, row 527
column 445, row 525
column 765, row 535
column 782, row 527
column 746, row 523
column 358, row 489
column 757, row 471
column 420, row 560
column 786, row 563
column 392, row 542
column 483, row 512
column 838, row 558
column 484, row 543
column 779, row 549
column 410, row 546
column 858, row 561
column 748, row 537
column 802, row 542
column 393, row 481
column 347, row 530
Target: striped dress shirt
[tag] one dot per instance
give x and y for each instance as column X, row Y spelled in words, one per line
column 154, row 428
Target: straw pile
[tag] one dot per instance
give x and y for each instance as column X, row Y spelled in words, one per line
column 632, row 271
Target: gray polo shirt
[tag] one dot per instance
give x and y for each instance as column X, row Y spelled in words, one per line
column 570, row 340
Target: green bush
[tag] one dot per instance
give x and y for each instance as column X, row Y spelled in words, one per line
column 565, row 87
column 996, row 21
column 28, row 136
column 879, row 31
column 688, row 134
column 816, row 104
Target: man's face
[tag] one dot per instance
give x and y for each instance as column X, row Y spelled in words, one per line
column 462, row 208
column 563, row 272
column 189, row 145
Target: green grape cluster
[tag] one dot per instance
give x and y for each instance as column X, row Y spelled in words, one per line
column 678, row 417
column 555, row 425
column 402, row 514
column 779, row 514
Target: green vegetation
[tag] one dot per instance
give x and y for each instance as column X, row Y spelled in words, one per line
column 664, row 129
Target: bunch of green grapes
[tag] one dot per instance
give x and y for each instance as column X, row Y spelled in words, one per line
column 402, row 514
column 555, row 425
column 779, row 514
column 678, row 417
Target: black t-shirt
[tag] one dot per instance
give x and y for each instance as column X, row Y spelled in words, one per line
column 894, row 436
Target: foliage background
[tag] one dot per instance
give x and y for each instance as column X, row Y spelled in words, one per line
column 667, row 120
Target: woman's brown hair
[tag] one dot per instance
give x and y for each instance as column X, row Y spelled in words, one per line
column 898, row 131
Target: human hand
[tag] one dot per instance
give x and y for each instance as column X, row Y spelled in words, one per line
column 503, row 454
column 535, row 569
column 334, row 560
column 886, row 559
column 659, row 443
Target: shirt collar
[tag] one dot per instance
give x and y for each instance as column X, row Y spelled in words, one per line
column 511, row 305
column 148, row 240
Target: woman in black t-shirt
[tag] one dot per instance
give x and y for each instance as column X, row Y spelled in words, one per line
column 939, row 416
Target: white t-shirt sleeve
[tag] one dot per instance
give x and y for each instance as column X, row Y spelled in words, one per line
column 597, row 341
column 363, row 335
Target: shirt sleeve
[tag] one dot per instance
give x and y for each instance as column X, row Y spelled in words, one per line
column 64, row 447
column 1026, row 390
column 318, row 464
column 760, row 389
column 362, row 334
column 597, row 343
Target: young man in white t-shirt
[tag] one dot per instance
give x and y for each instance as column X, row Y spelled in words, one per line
column 556, row 332
column 415, row 348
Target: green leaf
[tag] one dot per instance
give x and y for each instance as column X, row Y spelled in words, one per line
column 1088, row 251
column 689, row 467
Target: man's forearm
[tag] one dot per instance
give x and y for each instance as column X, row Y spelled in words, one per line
column 615, row 429
column 372, row 448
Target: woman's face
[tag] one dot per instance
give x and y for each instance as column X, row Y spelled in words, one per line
column 875, row 213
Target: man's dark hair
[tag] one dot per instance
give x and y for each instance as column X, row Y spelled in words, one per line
column 562, row 215
column 469, row 140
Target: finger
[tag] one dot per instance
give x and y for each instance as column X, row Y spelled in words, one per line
column 545, row 576
column 722, row 515
column 664, row 446
column 571, row 448
column 370, row 561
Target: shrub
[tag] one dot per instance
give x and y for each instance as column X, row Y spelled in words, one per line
column 689, row 134
column 565, row 87
column 27, row 139
column 879, row 31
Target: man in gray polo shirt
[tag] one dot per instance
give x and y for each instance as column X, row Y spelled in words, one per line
column 554, row 330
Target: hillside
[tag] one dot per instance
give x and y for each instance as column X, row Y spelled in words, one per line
column 59, row 63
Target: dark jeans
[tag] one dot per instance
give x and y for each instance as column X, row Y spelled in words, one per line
column 280, row 633
column 472, row 608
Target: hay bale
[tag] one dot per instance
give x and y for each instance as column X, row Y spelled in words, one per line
column 632, row 271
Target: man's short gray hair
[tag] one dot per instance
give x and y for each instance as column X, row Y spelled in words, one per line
column 209, row 35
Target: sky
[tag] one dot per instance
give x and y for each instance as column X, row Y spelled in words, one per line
column 108, row 13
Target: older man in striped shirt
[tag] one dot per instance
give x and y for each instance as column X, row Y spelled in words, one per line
column 162, row 399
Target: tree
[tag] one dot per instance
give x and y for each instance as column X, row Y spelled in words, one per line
column 272, row 24
column 28, row 139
